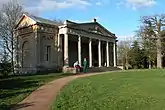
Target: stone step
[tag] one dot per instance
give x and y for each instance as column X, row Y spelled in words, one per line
column 91, row 70
column 102, row 69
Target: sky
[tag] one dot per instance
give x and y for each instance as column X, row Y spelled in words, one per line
column 118, row 16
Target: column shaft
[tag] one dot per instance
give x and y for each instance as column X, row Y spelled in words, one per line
column 90, row 52
column 107, row 54
column 99, row 53
column 79, row 50
column 114, row 54
column 66, row 56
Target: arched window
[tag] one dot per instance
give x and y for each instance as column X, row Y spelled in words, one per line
column 25, row 51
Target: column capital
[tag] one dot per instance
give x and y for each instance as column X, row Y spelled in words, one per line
column 79, row 37
column 90, row 39
column 63, row 30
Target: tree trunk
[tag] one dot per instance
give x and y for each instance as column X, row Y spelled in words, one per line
column 150, row 64
column 159, row 53
column 12, row 52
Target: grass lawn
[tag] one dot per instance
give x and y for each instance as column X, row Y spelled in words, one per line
column 131, row 90
column 15, row 89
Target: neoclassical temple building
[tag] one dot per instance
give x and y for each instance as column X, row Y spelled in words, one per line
column 46, row 45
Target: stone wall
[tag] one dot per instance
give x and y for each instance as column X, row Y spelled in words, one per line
column 33, row 46
column 26, row 49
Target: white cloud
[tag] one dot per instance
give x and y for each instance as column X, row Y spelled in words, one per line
column 136, row 4
column 98, row 3
column 127, row 38
column 81, row 21
column 86, row 21
column 54, row 4
column 43, row 5
column 141, row 3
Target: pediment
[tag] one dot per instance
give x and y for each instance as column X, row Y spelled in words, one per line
column 93, row 27
column 25, row 21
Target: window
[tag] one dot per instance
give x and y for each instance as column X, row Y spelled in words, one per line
column 25, row 55
column 48, row 53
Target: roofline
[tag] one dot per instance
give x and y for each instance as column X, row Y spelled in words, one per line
column 105, row 29
column 71, row 22
column 18, row 22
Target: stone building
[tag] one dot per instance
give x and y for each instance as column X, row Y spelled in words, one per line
column 46, row 45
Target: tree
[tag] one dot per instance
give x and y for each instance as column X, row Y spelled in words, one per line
column 153, row 26
column 9, row 14
column 136, row 56
column 148, row 45
column 58, row 21
column 123, row 48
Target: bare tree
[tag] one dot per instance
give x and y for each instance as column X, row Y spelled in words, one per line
column 58, row 21
column 153, row 26
column 9, row 15
column 123, row 48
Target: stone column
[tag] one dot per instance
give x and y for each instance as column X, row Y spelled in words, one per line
column 59, row 50
column 90, row 52
column 107, row 47
column 114, row 54
column 99, row 52
column 79, row 50
column 66, row 56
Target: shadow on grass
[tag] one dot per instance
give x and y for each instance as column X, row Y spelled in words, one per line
column 15, row 106
column 16, row 83
column 24, row 105
column 14, row 89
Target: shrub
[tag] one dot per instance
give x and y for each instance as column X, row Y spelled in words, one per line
column 5, row 68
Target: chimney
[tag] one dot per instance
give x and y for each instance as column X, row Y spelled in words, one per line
column 94, row 20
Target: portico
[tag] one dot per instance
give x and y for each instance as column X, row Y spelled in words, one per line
column 98, row 48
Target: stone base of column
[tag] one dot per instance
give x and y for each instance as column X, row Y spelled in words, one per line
column 67, row 69
column 91, row 66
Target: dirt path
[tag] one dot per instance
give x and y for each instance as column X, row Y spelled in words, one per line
column 42, row 98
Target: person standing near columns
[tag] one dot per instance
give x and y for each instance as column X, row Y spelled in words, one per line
column 85, row 65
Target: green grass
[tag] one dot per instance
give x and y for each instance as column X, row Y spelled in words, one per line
column 127, row 90
column 15, row 89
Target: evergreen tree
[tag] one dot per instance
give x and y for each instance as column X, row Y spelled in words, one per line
column 136, row 56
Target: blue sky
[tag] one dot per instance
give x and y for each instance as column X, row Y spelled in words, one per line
column 118, row 16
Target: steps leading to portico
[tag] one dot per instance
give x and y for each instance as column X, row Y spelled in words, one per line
column 91, row 70
column 102, row 69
